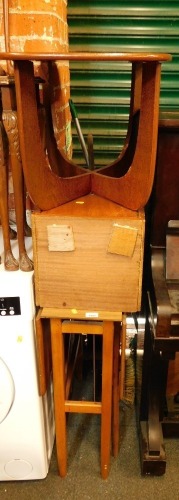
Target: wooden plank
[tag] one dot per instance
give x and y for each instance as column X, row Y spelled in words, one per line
column 82, row 407
column 82, row 327
column 54, row 312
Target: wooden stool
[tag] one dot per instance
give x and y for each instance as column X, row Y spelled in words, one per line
column 61, row 402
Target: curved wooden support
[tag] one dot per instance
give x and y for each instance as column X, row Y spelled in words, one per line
column 127, row 181
column 58, row 162
column 46, row 189
column 11, row 127
column 120, row 166
column 130, row 184
column 10, row 262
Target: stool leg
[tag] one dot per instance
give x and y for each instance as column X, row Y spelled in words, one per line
column 58, row 363
column 107, row 364
column 115, row 396
column 123, row 358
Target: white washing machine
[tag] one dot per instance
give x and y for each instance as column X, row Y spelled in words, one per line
column 26, row 419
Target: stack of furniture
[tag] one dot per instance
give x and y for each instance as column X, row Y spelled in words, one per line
column 88, row 233
column 86, row 253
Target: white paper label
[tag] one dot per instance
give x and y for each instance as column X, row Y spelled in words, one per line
column 60, row 238
column 92, row 315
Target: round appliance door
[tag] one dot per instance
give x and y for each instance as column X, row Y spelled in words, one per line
column 7, row 390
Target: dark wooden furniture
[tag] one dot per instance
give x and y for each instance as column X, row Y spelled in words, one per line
column 161, row 299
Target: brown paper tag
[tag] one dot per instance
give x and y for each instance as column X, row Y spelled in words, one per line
column 123, row 240
column 60, row 238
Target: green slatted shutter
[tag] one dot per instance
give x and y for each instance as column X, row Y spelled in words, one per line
column 101, row 91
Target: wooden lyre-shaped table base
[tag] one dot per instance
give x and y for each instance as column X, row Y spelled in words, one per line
column 128, row 181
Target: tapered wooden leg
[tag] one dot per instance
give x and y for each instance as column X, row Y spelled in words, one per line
column 123, row 358
column 40, row 353
column 107, row 366
column 115, row 390
column 11, row 127
column 10, row 262
column 58, row 364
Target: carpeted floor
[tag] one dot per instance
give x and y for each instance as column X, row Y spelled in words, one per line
column 83, row 481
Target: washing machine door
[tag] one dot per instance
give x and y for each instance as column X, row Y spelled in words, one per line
column 7, row 390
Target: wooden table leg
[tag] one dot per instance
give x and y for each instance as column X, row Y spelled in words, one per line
column 58, row 363
column 115, row 390
column 10, row 263
column 123, row 358
column 107, row 368
column 11, row 127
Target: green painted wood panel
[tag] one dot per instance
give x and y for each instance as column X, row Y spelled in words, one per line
column 101, row 91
